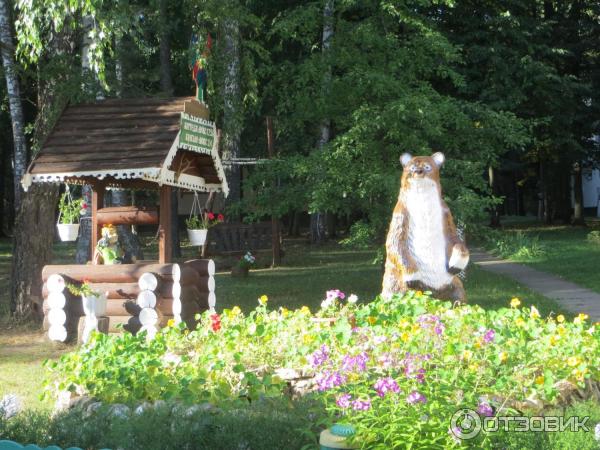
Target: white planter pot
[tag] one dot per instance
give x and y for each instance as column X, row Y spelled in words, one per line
column 94, row 305
column 197, row 237
column 68, row 231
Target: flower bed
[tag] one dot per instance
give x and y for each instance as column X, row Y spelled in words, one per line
column 396, row 369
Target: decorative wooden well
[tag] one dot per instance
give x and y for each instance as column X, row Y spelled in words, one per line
column 131, row 144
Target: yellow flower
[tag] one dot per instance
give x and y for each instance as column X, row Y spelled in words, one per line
column 580, row 319
column 580, row 373
column 236, row 311
column 539, row 380
column 572, row 361
column 478, row 345
column 171, row 322
column 305, row 310
column 534, row 313
column 419, row 293
column 515, row 302
column 561, row 329
column 308, row 338
column 371, row 320
column 467, row 355
column 519, row 322
column 263, row 299
column 403, row 323
column 554, row 339
column 473, row 367
column 503, row 356
column 560, row 318
column 405, row 337
column 284, row 312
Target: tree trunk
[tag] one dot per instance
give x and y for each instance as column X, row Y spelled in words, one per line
column 166, row 82
column 166, row 86
column 31, row 247
column 494, row 210
column 232, row 107
column 7, row 49
column 578, row 218
column 82, row 255
column 318, row 219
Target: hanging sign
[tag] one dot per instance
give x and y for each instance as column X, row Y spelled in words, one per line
column 196, row 134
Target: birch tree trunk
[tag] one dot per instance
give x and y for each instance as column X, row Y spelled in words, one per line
column 82, row 255
column 318, row 219
column 232, row 106
column 7, row 49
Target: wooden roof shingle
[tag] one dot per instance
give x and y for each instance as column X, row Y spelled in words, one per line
column 118, row 140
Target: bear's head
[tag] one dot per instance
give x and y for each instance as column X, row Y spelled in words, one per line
column 421, row 170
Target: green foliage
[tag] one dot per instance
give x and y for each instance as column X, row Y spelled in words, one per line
column 84, row 289
column 203, row 221
column 265, row 424
column 594, row 237
column 517, row 245
column 453, row 357
column 70, row 210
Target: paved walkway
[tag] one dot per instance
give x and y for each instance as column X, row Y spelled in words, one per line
column 569, row 295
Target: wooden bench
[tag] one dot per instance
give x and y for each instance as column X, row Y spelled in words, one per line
column 238, row 238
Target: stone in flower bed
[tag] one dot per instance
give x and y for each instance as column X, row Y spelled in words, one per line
column 394, row 368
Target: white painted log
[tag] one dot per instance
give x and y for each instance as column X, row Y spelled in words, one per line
column 56, row 300
column 150, row 330
column 146, row 299
column 55, row 283
column 212, row 301
column 211, row 284
column 149, row 281
column 148, row 317
column 176, row 273
column 176, row 291
column 177, row 310
column 57, row 333
column 57, row 316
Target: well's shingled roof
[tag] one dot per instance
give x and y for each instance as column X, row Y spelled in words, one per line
column 111, row 137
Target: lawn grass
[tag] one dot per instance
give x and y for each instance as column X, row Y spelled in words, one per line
column 306, row 274
column 567, row 253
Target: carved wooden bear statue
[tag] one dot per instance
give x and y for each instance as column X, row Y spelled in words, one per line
column 423, row 248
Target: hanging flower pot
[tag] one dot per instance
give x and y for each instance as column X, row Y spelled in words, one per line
column 197, row 237
column 199, row 222
column 68, row 217
column 68, row 231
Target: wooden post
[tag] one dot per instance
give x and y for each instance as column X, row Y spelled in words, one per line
column 275, row 244
column 97, row 203
column 165, row 247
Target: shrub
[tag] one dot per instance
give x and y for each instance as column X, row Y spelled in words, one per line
column 397, row 369
column 594, row 237
column 517, row 245
column 267, row 424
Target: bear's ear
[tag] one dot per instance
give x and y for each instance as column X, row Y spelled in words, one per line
column 405, row 159
column 438, row 158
